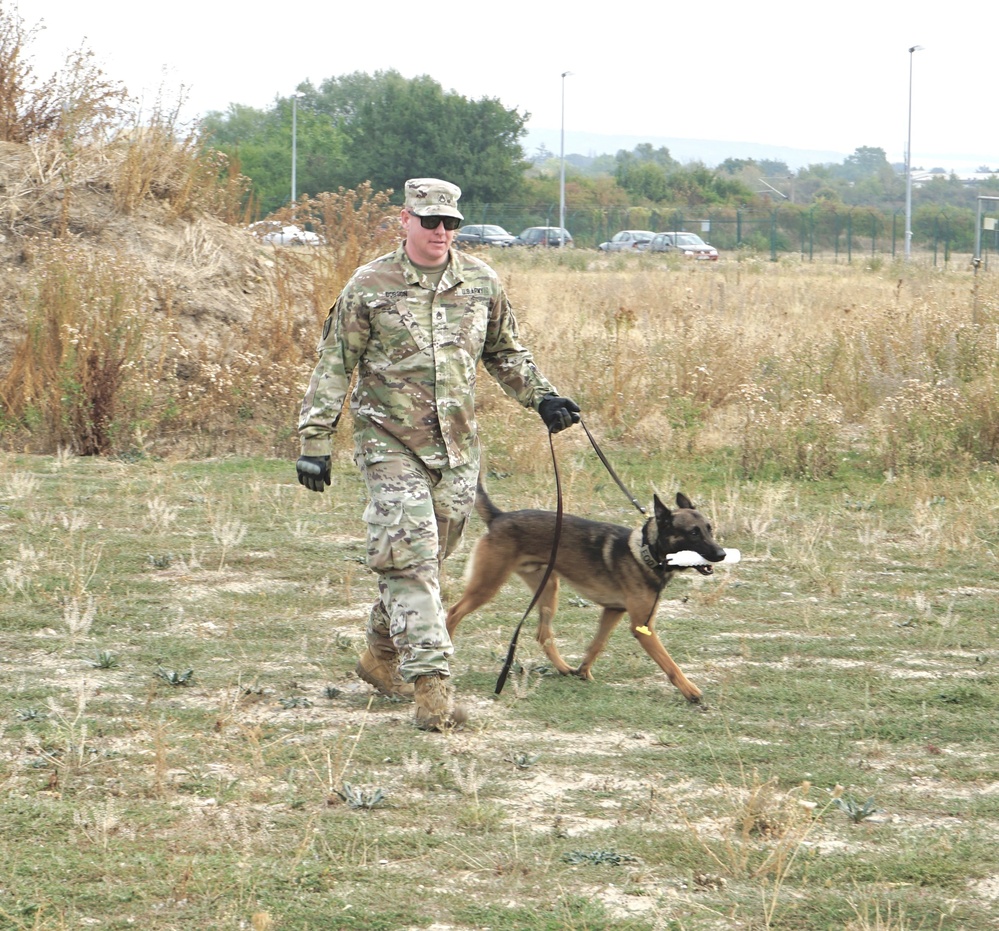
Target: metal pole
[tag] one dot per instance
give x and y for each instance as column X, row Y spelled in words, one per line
column 561, row 183
column 294, row 144
column 908, row 165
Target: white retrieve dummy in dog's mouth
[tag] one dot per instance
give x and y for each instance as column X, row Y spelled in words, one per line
column 690, row 558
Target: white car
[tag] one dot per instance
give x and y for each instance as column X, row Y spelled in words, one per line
column 275, row 235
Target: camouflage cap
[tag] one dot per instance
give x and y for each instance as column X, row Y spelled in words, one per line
column 431, row 197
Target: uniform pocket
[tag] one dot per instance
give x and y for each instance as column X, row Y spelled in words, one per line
column 400, row 535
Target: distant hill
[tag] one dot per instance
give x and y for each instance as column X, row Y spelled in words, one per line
column 713, row 151
column 709, row 151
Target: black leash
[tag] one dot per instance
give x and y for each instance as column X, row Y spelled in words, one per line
column 609, row 467
column 508, row 663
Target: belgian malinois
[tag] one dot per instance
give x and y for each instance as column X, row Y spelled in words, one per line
column 621, row 569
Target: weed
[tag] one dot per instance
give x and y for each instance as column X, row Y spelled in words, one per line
column 360, row 796
column 176, row 679
column 855, row 810
column 227, row 534
column 523, row 760
column 598, row 857
column 105, row 659
column 78, row 618
column 30, row 714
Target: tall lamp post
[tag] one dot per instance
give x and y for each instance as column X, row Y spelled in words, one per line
column 908, row 165
column 294, row 145
column 561, row 181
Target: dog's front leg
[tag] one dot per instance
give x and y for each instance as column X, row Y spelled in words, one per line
column 608, row 621
column 645, row 634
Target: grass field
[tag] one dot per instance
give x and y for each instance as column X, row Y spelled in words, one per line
column 184, row 743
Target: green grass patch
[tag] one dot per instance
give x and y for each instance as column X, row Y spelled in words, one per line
column 850, row 655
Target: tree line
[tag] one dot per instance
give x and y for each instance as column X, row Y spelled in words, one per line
column 382, row 128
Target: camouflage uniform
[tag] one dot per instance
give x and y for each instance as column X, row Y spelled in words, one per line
column 416, row 347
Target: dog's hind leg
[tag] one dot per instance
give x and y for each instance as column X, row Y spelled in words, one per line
column 645, row 634
column 608, row 621
column 489, row 569
column 547, row 606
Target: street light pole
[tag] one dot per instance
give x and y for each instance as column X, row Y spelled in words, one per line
column 294, row 145
column 561, row 183
column 908, row 165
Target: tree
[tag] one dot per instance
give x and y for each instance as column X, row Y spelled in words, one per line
column 734, row 166
column 381, row 128
column 261, row 142
column 412, row 128
column 866, row 162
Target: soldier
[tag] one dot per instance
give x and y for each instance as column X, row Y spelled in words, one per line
column 415, row 323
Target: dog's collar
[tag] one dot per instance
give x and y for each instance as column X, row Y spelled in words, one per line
column 645, row 551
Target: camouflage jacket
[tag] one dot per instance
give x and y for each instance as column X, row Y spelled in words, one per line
column 416, row 351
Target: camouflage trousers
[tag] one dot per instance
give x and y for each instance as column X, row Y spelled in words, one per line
column 415, row 519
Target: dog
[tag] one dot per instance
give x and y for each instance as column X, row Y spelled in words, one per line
column 621, row 569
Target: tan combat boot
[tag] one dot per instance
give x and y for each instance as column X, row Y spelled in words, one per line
column 379, row 666
column 435, row 710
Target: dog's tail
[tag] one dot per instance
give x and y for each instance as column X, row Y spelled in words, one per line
column 484, row 506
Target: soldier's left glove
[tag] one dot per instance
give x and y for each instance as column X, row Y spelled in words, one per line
column 313, row 472
column 558, row 413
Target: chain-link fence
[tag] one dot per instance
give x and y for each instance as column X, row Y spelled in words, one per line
column 821, row 229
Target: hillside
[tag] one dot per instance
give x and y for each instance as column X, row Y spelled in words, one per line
column 202, row 273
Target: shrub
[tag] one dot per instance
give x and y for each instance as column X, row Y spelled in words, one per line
column 71, row 376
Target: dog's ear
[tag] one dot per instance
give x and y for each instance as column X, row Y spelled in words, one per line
column 682, row 501
column 663, row 513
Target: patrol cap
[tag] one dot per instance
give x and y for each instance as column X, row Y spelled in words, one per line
column 431, row 197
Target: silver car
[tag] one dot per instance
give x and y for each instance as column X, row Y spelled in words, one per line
column 484, row 234
column 682, row 243
column 627, row 241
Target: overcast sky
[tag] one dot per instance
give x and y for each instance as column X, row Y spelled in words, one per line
column 828, row 77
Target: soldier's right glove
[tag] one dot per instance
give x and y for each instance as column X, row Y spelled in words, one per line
column 313, row 472
column 558, row 413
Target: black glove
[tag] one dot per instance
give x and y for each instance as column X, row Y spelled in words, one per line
column 313, row 472
column 558, row 413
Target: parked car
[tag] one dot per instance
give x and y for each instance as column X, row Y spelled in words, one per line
column 276, row 235
column 485, row 234
column 628, row 241
column 682, row 243
column 544, row 236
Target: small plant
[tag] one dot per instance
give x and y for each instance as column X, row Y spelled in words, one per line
column 228, row 534
column 853, row 809
column 598, row 857
column 79, row 618
column 30, row 714
column 295, row 701
column 161, row 560
column 523, row 760
column 359, row 796
column 174, row 678
column 106, row 659
column 331, row 692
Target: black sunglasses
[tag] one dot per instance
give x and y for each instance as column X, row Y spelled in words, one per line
column 431, row 223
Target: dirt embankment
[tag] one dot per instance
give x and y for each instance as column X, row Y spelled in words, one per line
column 203, row 273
